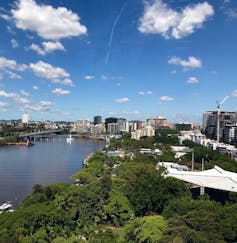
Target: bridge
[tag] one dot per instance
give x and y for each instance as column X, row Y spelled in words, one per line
column 41, row 133
column 215, row 178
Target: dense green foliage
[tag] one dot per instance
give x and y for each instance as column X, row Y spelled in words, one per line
column 124, row 200
column 211, row 157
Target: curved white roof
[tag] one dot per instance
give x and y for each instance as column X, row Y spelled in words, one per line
column 215, row 178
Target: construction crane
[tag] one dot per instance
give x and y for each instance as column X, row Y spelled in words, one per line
column 219, row 104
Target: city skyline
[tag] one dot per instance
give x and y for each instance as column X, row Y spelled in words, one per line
column 133, row 59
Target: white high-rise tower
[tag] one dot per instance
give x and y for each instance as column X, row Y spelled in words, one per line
column 25, row 119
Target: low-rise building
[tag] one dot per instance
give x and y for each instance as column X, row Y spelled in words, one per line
column 148, row 131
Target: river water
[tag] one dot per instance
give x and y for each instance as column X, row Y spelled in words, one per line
column 44, row 163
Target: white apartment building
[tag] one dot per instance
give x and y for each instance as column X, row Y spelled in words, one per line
column 148, row 131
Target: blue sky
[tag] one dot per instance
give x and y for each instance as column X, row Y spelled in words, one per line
column 73, row 59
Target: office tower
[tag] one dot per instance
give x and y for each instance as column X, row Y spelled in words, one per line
column 97, row 120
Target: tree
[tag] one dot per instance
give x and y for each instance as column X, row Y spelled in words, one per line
column 146, row 229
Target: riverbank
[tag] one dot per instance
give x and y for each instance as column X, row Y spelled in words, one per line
column 45, row 163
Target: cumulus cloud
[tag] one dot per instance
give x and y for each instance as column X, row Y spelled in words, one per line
column 14, row 43
column 5, row 16
column 21, row 100
column 66, row 81
column 135, row 112
column 35, row 88
column 55, row 74
column 60, row 91
column 23, row 92
column 47, row 47
column 141, row 93
column 191, row 63
column 22, row 67
column 3, row 104
column 193, row 80
column 149, row 92
column 7, row 63
column 13, row 75
column 234, row 93
column 122, row 100
column 159, row 18
column 14, row 96
column 48, row 22
column 42, row 106
column 166, row 98
column 89, row 77
column 5, row 94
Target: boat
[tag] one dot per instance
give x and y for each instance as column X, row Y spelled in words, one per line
column 70, row 138
column 5, row 207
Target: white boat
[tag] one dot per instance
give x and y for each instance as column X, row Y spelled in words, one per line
column 70, row 138
column 5, row 207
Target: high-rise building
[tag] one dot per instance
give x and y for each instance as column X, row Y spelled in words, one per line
column 228, row 120
column 122, row 125
column 25, row 119
column 110, row 120
column 97, row 120
column 112, row 128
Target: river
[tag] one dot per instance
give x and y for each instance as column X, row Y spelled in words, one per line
column 46, row 162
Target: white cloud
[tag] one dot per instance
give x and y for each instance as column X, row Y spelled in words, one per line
column 35, row 88
column 166, row 98
column 23, row 92
column 149, row 92
column 89, row 77
column 36, row 48
column 66, row 81
column 135, row 112
column 234, row 93
column 43, row 106
column 14, row 43
column 159, row 18
column 48, row 22
column 5, row 16
column 22, row 67
column 231, row 13
column 7, row 63
column 105, row 77
column 122, row 100
column 193, row 80
column 7, row 95
column 3, row 104
column 55, row 74
column 21, row 100
column 59, row 91
column 14, row 96
column 47, row 71
column 192, row 62
column 13, row 75
column 47, row 47
column 142, row 93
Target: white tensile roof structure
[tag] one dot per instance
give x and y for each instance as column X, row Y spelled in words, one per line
column 215, row 178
